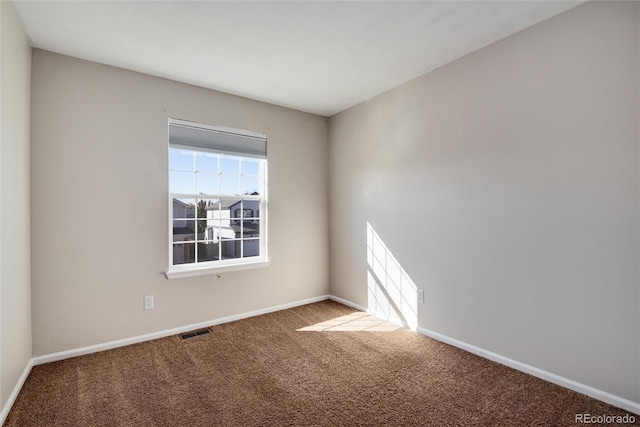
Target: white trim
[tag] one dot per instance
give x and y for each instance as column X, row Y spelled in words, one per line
column 593, row 392
column 217, row 269
column 212, row 267
column 14, row 393
column 347, row 303
column 54, row 357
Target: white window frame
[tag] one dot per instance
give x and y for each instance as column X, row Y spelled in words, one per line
column 218, row 266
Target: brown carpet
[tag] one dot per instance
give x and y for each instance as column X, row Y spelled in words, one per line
column 322, row 364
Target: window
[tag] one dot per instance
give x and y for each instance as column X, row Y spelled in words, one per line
column 244, row 213
column 217, row 199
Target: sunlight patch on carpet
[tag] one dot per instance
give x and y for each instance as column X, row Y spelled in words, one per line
column 357, row 321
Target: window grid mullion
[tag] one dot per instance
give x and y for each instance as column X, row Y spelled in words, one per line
column 241, row 228
column 195, row 225
column 219, row 165
column 240, row 188
column 215, row 196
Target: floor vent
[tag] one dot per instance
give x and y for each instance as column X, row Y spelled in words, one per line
column 194, row 333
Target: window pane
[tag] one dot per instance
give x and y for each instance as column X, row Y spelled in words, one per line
column 251, row 205
column 208, row 252
column 250, row 166
column 251, row 248
column 229, row 184
column 228, row 207
column 202, row 226
column 206, row 207
column 227, row 231
column 254, row 224
column 207, row 162
column 245, row 213
column 255, row 213
column 184, row 253
column 212, row 230
column 230, row 249
column 213, row 209
column 184, row 208
column 250, row 185
column 235, row 207
column 206, row 183
column 250, row 229
column 184, row 230
column 181, row 159
column 181, row 182
column 229, row 164
column 219, row 223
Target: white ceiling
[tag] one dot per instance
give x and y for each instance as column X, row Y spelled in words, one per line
column 315, row 56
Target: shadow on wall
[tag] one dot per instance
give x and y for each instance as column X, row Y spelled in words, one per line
column 392, row 295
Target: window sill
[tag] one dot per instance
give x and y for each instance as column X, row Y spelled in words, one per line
column 206, row 271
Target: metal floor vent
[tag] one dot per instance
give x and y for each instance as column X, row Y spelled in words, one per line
column 194, row 333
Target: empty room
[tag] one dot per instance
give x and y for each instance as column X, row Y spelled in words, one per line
column 319, row 213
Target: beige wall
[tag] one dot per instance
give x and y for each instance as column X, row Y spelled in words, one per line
column 15, row 292
column 99, row 197
column 506, row 185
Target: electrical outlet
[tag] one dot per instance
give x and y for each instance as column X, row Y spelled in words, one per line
column 420, row 296
column 148, row 302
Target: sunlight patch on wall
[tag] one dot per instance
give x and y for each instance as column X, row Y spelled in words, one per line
column 357, row 321
column 392, row 294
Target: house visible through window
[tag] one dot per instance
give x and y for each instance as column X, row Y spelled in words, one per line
column 217, row 196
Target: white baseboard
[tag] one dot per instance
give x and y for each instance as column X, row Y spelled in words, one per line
column 161, row 334
column 601, row 395
column 14, row 393
column 347, row 303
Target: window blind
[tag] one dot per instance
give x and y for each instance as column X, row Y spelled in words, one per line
column 229, row 141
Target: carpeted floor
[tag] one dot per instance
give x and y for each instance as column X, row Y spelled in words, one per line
column 321, row 364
